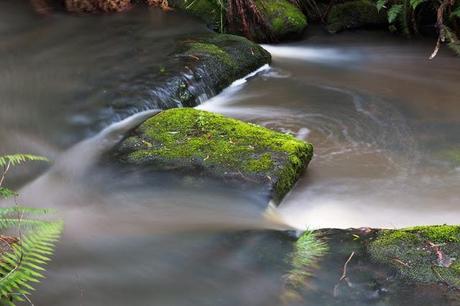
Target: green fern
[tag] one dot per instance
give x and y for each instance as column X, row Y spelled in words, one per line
column 394, row 12
column 22, row 257
column 415, row 3
column 381, row 4
column 17, row 159
column 23, row 263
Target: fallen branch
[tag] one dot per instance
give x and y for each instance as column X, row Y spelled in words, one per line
column 344, row 275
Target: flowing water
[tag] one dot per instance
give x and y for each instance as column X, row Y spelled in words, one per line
column 385, row 122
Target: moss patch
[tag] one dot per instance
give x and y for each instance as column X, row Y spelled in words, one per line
column 207, row 10
column 285, row 19
column 189, row 138
column 424, row 253
column 207, row 63
column 354, row 14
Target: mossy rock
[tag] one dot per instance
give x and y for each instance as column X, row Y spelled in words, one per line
column 284, row 19
column 214, row 60
column 353, row 15
column 198, row 68
column 207, row 10
column 425, row 254
column 190, row 139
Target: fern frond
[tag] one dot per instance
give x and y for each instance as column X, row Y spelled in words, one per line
column 394, row 12
column 415, row 3
column 17, row 159
column 381, row 4
column 23, row 265
column 7, row 212
column 455, row 12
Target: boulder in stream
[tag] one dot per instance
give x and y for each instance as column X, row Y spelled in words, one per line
column 424, row 254
column 198, row 68
column 197, row 141
column 413, row 266
column 354, row 15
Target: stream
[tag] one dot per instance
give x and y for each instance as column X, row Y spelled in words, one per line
column 382, row 117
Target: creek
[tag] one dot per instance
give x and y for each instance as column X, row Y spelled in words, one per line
column 383, row 118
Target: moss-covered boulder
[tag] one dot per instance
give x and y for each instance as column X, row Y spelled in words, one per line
column 212, row 61
column 281, row 18
column 209, row 11
column 203, row 142
column 353, row 15
column 196, row 69
column 286, row 20
column 426, row 254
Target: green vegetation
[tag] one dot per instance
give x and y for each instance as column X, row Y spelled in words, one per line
column 212, row 12
column 261, row 20
column 407, row 16
column 26, row 243
column 285, row 19
column 354, row 14
column 307, row 251
column 424, row 253
column 223, row 146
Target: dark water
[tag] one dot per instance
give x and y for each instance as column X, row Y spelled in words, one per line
column 384, row 121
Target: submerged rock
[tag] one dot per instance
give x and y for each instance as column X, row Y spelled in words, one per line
column 368, row 266
column 353, row 15
column 425, row 254
column 199, row 141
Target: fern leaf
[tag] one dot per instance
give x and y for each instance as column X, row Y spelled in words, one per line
column 17, row 159
column 23, row 263
column 415, row 3
column 455, row 12
column 381, row 4
column 394, row 12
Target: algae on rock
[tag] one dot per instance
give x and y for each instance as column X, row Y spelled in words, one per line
column 426, row 254
column 190, row 139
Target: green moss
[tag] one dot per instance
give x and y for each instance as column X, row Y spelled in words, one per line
column 410, row 251
column 208, row 10
column 209, row 49
column 264, row 163
column 389, row 238
column 214, row 59
column 286, row 19
column 456, row 267
column 438, row 234
column 191, row 137
column 354, row 14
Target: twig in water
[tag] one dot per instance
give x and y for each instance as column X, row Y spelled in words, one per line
column 344, row 275
column 345, row 266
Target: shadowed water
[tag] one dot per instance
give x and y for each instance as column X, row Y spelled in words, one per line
column 381, row 117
